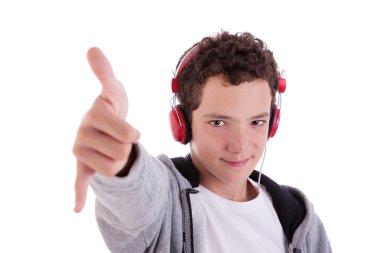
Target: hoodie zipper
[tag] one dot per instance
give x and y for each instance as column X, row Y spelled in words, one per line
column 294, row 250
column 187, row 220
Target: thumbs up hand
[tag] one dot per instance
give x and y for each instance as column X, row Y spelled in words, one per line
column 104, row 139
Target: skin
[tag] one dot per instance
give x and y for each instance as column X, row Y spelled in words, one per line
column 230, row 130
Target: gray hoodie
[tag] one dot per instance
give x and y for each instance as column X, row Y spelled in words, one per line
column 150, row 209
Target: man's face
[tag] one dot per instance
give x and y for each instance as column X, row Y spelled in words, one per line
column 229, row 131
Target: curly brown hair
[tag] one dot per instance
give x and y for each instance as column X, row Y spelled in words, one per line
column 238, row 58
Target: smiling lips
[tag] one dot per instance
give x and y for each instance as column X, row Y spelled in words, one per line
column 236, row 164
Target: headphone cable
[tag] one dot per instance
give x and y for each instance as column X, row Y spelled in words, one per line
column 261, row 167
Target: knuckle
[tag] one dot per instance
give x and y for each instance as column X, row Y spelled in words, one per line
column 78, row 151
column 81, row 135
column 82, row 139
column 91, row 116
column 74, row 150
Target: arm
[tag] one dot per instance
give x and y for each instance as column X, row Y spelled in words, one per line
column 133, row 203
column 130, row 210
column 316, row 239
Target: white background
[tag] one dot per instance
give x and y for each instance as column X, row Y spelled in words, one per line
column 327, row 143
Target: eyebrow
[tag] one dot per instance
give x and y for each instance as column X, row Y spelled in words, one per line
column 222, row 116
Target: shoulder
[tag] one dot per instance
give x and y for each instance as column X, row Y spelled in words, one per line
column 180, row 170
column 311, row 233
column 300, row 223
column 291, row 205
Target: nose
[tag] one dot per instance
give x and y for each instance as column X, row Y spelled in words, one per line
column 238, row 140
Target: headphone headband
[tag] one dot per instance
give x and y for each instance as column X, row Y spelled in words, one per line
column 175, row 80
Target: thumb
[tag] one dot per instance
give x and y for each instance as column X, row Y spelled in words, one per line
column 82, row 181
column 113, row 91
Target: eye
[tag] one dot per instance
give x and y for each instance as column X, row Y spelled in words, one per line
column 217, row 123
column 258, row 122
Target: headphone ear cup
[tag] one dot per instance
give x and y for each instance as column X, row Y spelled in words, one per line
column 274, row 122
column 180, row 126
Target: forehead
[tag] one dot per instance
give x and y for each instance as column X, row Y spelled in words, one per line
column 219, row 96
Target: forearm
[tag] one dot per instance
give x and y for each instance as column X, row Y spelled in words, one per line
column 134, row 201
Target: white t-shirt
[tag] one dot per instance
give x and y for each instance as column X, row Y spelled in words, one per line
column 239, row 227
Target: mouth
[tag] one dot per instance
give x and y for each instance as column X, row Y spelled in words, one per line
column 236, row 164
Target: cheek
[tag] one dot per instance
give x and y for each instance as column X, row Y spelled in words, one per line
column 258, row 144
column 260, row 138
column 209, row 136
column 206, row 140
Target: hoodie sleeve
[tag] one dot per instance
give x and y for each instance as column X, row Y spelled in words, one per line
column 316, row 239
column 310, row 236
column 130, row 210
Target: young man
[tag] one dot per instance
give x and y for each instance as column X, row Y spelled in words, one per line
column 211, row 200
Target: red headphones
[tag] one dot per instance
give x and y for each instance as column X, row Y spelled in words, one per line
column 180, row 125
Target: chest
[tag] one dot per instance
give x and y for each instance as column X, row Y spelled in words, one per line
column 228, row 226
